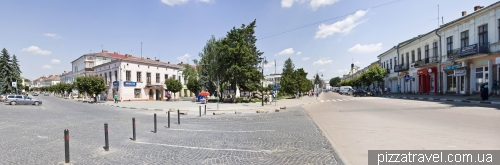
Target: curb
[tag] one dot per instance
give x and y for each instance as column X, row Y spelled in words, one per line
column 451, row 100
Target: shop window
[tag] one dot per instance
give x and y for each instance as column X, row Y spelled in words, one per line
column 451, row 83
column 137, row 93
column 481, row 76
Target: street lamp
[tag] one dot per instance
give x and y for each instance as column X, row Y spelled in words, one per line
column 262, row 62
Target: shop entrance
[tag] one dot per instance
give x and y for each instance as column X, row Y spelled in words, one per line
column 151, row 93
column 157, row 94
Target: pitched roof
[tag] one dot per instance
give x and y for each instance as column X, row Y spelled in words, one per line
column 470, row 15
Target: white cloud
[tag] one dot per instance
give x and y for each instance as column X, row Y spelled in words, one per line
column 205, row 1
column 298, row 53
column 184, row 58
column 357, row 62
column 315, row 4
column 36, row 50
column 52, row 35
column 344, row 27
column 285, row 52
column 174, row 2
column 322, row 70
column 287, row 3
column 55, row 61
column 343, row 71
column 322, row 62
column 365, row 48
column 305, row 58
column 269, row 64
column 46, row 67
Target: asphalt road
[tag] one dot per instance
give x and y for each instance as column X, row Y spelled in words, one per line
column 355, row 125
column 34, row 135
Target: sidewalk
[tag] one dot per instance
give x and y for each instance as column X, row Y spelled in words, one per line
column 456, row 98
column 193, row 107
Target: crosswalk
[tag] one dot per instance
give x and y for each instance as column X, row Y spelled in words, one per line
column 351, row 99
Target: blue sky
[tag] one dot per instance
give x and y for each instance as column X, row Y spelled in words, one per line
column 47, row 35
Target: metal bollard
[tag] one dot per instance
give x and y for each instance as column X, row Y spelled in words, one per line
column 66, row 145
column 106, row 138
column 155, row 122
column 133, row 128
column 178, row 117
column 200, row 110
column 205, row 109
column 168, row 119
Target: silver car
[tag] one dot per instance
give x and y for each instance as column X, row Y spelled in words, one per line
column 21, row 100
column 2, row 97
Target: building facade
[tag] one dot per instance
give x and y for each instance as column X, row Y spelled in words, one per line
column 272, row 79
column 137, row 78
column 387, row 61
column 83, row 65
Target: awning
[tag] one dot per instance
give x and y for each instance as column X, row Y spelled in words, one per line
column 155, row 86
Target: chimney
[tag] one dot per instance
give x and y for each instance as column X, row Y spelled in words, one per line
column 157, row 60
column 464, row 13
column 182, row 62
column 148, row 58
column 115, row 52
column 476, row 8
column 104, row 51
column 168, row 62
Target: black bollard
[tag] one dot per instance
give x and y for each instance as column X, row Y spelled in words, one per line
column 106, row 138
column 205, row 109
column 200, row 110
column 155, row 122
column 168, row 119
column 133, row 127
column 178, row 117
column 66, row 145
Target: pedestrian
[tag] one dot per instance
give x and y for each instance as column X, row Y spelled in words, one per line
column 116, row 98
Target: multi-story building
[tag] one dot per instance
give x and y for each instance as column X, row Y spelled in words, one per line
column 83, row 65
column 46, row 81
column 137, row 78
column 388, row 59
column 272, row 79
column 470, row 54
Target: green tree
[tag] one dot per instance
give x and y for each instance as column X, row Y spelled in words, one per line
column 355, row 82
column 189, row 72
column 364, row 79
column 173, row 85
column 334, row 81
column 7, row 75
column 376, row 74
column 289, row 83
column 239, row 57
column 193, row 85
column 208, row 67
column 303, row 84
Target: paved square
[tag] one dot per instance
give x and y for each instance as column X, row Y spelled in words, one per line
column 34, row 135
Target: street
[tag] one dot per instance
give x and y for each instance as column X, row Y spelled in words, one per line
column 355, row 125
column 34, row 135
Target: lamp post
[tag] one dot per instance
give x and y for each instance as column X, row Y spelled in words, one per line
column 317, row 89
column 262, row 62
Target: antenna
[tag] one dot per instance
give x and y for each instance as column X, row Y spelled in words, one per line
column 438, row 15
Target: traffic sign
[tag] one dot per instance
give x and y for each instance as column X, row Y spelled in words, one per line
column 14, row 84
column 407, row 77
column 277, row 87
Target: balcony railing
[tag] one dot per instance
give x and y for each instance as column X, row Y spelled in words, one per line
column 467, row 51
column 399, row 68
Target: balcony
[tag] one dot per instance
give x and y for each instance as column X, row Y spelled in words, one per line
column 399, row 68
column 469, row 50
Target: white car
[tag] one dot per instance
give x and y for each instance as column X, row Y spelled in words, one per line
column 344, row 89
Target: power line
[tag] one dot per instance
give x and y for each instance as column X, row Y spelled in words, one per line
column 345, row 15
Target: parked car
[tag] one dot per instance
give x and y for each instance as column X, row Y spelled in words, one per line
column 35, row 94
column 2, row 97
column 344, row 89
column 361, row 92
column 21, row 100
column 46, row 94
column 349, row 92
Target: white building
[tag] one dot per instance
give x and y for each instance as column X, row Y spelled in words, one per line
column 470, row 54
column 137, row 78
column 272, row 79
column 46, row 81
column 83, row 65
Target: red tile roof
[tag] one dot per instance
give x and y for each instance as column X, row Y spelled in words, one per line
column 116, row 55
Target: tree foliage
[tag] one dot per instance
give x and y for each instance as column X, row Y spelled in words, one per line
column 90, row 85
column 9, row 72
column 189, row 72
column 173, row 85
column 293, row 81
column 193, row 85
column 334, row 81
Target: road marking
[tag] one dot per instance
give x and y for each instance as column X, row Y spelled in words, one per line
column 193, row 130
column 334, row 100
column 328, row 100
column 43, row 108
column 203, row 148
column 340, row 100
column 346, row 100
column 322, row 101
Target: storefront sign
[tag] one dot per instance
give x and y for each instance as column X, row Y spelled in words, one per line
column 460, row 72
column 468, row 50
column 497, row 60
column 129, row 84
column 450, row 67
column 481, row 63
column 116, row 83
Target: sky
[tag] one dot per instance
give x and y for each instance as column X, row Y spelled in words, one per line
column 321, row 36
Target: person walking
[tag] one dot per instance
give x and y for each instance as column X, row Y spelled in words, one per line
column 116, row 98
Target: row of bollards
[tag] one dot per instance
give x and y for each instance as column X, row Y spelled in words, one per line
column 106, row 137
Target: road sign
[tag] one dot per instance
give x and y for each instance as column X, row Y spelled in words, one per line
column 14, row 84
column 407, row 77
column 277, row 87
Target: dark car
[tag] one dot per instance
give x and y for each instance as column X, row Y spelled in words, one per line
column 361, row 92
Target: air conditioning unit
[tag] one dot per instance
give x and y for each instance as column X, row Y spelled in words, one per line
column 412, row 65
column 462, row 64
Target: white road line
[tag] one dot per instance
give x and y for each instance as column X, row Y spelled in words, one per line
column 346, row 100
column 322, row 101
column 336, row 101
column 328, row 100
column 43, row 107
column 203, row 148
column 340, row 100
column 193, row 130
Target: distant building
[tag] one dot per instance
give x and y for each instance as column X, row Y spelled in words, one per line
column 272, row 79
column 83, row 65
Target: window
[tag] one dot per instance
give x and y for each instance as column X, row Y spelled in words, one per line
column 180, row 79
column 402, row 59
column 464, row 39
column 127, row 75
column 419, row 54
column 449, row 44
column 139, row 75
column 148, row 77
column 106, row 77
column 426, row 51
column 481, row 76
column 412, row 56
column 137, row 93
column 395, row 61
column 116, row 76
column 434, row 49
column 110, row 77
column 157, row 78
column 173, row 76
column 391, row 64
column 166, row 77
column 483, row 34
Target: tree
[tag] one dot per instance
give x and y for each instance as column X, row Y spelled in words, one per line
column 288, row 67
column 376, row 74
column 317, row 80
column 208, row 67
column 364, row 79
column 334, row 81
column 302, row 82
column 193, row 85
column 90, row 85
column 173, row 85
column 238, row 58
column 189, row 72
column 7, row 75
column 288, row 78
column 355, row 82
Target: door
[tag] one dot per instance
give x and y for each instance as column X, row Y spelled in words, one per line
column 157, row 94
column 150, row 94
column 461, row 84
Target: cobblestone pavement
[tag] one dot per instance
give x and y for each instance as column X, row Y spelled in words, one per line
column 35, row 135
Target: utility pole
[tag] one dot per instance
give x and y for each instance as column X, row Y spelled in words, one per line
column 275, row 93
